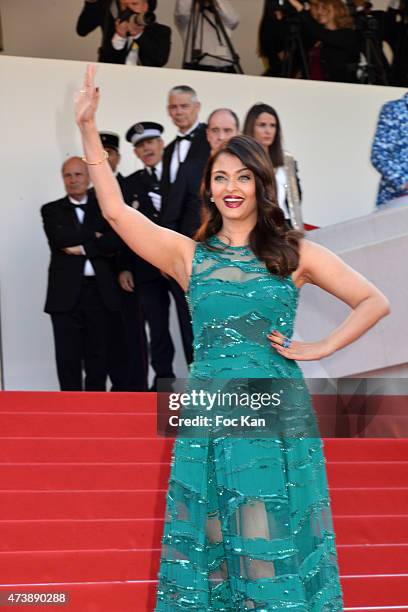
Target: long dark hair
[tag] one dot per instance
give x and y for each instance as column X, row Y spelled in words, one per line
column 271, row 240
column 275, row 150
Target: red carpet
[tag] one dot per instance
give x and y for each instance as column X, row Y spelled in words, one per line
column 82, row 485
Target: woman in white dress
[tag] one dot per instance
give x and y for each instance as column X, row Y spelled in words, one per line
column 262, row 123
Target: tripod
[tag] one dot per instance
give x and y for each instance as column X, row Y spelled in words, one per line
column 374, row 71
column 200, row 13
column 294, row 49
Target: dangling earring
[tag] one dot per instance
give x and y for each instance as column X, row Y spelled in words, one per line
column 212, row 200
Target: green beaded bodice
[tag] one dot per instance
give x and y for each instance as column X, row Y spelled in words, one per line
column 235, row 303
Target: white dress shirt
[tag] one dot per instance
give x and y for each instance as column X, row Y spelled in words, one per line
column 281, row 187
column 88, row 268
column 181, row 149
column 119, row 43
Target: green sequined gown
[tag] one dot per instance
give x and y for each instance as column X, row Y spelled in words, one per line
column 248, row 522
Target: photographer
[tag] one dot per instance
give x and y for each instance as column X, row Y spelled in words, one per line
column 100, row 14
column 130, row 34
column 334, row 56
column 279, row 25
column 215, row 56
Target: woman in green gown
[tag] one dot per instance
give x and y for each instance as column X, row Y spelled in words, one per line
column 248, row 523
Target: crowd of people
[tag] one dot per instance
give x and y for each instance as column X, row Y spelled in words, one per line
column 330, row 40
column 101, row 295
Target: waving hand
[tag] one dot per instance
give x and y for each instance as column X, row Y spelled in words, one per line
column 87, row 99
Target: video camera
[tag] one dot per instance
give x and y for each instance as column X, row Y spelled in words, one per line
column 137, row 19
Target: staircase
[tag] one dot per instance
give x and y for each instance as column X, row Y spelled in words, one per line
column 82, row 488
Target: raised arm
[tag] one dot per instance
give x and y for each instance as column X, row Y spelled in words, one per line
column 164, row 248
column 324, row 269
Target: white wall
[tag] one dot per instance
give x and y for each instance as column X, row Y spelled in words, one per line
column 46, row 28
column 329, row 127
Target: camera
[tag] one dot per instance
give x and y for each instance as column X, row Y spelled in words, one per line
column 137, row 19
column 283, row 6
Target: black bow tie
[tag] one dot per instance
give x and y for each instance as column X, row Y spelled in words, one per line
column 81, row 206
column 186, row 137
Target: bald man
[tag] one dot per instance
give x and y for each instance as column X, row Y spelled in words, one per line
column 82, row 294
column 222, row 125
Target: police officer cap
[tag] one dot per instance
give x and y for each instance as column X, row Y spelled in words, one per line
column 110, row 140
column 143, row 130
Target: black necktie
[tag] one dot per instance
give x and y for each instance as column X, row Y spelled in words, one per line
column 154, row 180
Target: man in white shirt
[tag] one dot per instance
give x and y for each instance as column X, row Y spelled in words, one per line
column 184, row 160
column 206, row 48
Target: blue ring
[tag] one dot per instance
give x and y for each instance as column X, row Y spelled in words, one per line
column 286, row 342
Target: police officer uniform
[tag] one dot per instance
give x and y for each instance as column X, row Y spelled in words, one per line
column 142, row 190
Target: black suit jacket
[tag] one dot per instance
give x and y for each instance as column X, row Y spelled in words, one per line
column 182, row 202
column 154, row 44
column 199, row 152
column 97, row 15
column 65, row 274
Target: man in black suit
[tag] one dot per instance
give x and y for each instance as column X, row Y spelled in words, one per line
column 82, row 293
column 184, row 161
column 130, row 41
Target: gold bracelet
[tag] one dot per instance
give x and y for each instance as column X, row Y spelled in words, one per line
column 98, row 163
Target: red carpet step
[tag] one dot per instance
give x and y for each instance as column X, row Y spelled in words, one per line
column 146, row 532
column 84, row 450
column 82, row 492
column 143, row 563
column 26, row 505
column 142, row 503
column 113, row 596
column 78, row 476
